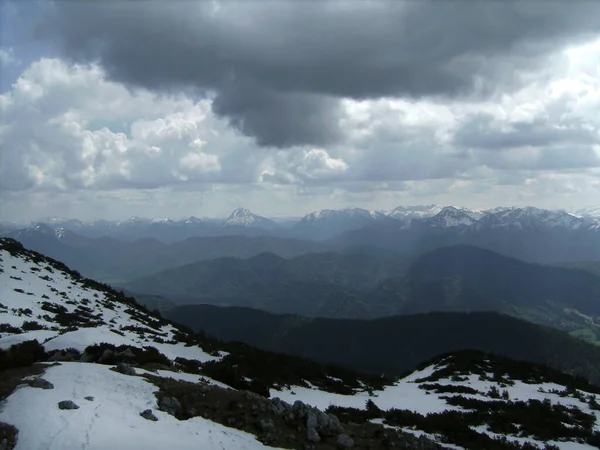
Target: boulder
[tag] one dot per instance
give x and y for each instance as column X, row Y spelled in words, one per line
column 125, row 369
column 67, row 404
column 170, row 405
column 41, row 383
column 148, row 415
column 343, row 441
column 311, row 426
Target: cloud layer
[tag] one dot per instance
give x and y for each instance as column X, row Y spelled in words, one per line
column 278, row 69
column 291, row 106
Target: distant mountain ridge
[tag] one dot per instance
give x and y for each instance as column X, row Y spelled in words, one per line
column 530, row 234
column 121, row 250
column 329, row 222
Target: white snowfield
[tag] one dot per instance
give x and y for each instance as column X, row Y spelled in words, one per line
column 40, row 282
column 112, row 420
column 403, row 395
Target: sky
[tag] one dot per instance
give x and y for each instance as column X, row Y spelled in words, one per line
column 112, row 109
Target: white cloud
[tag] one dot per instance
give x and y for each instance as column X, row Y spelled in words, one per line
column 316, row 163
column 66, row 127
column 67, row 134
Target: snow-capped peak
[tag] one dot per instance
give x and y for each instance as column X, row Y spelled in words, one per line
column 161, row 220
column 345, row 213
column 135, row 221
column 411, row 212
column 530, row 217
column 243, row 217
column 451, row 216
column 192, row 220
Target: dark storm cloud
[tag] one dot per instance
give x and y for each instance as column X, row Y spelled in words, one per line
column 278, row 118
column 277, row 67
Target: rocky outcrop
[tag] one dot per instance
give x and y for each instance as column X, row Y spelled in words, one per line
column 277, row 423
column 170, row 405
column 343, row 441
column 41, row 383
column 124, row 368
column 148, row 415
column 317, row 422
column 67, row 404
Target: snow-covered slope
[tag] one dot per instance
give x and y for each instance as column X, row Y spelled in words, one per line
column 590, row 211
column 503, row 392
column 45, row 300
column 85, row 325
column 110, row 416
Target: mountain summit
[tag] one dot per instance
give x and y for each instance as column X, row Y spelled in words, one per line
column 242, row 217
column 450, row 217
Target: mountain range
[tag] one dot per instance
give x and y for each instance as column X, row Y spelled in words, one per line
column 523, row 233
column 326, row 223
column 84, row 365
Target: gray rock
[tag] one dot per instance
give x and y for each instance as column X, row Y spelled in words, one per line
column 311, row 426
column 105, row 355
column 300, row 410
column 89, row 398
column 312, row 435
column 41, row 383
column 125, row 369
column 328, row 422
column 148, row 415
column 278, row 406
column 170, row 405
column 343, row 441
column 67, row 404
column 128, row 353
